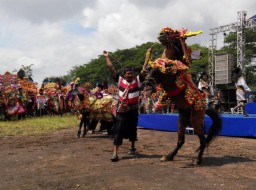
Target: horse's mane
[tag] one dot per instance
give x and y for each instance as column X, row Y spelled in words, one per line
column 178, row 48
column 167, row 80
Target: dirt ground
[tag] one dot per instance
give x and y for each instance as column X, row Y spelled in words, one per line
column 61, row 161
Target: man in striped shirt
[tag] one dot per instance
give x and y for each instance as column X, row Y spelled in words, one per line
column 127, row 109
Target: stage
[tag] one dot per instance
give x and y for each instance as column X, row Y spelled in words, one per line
column 235, row 125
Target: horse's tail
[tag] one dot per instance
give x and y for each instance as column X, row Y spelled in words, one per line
column 215, row 127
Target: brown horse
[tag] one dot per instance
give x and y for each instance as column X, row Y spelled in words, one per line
column 170, row 72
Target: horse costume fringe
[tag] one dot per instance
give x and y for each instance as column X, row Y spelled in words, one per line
column 183, row 81
column 98, row 108
column 101, row 108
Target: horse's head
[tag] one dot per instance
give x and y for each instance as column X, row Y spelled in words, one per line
column 168, row 36
column 171, row 40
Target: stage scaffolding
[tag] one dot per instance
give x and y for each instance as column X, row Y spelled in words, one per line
column 239, row 27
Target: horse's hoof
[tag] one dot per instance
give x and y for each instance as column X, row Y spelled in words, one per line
column 165, row 158
column 197, row 161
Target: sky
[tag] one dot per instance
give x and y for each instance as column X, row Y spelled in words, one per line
column 56, row 35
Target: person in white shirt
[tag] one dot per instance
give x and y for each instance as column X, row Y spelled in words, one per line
column 241, row 90
column 204, row 85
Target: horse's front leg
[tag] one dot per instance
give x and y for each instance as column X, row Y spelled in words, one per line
column 181, row 140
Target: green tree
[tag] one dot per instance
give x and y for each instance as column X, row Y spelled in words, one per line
column 97, row 70
column 134, row 57
column 25, row 72
column 200, row 65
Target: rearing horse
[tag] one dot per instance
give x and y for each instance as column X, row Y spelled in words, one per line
column 170, row 72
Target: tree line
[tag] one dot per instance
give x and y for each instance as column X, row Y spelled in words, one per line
column 96, row 70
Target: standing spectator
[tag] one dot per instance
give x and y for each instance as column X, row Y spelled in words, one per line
column 98, row 94
column 204, row 85
column 127, row 109
column 241, row 90
column 143, row 100
column 69, row 98
column 40, row 102
column 218, row 101
column 3, row 105
column 22, row 100
column 62, row 103
column 149, row 106
column 30, row 104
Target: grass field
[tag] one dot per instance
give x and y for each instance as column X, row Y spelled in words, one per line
column 37, row 126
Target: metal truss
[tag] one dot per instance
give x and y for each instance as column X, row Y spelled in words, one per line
column 239, row 27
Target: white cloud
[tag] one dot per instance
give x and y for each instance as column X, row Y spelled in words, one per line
column 38, row 11
column 55, row 35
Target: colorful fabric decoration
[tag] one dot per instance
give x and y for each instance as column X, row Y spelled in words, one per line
column 183, row 81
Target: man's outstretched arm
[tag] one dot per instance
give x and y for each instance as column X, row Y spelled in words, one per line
column 109, row 64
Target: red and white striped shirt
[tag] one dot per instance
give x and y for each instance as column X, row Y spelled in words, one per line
column 134, row 89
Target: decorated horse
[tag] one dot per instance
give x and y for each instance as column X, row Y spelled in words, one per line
column 169, row 72
column 14, row 107
column 55, row 104
column 100, row 109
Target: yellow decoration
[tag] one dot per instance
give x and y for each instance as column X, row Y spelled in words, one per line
column 189, row 34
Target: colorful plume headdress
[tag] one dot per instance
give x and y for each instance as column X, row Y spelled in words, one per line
column 183, row 33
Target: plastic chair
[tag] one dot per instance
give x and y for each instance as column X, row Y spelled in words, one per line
column 190, row 129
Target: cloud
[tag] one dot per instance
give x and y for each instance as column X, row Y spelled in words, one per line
column 56, row 35
column 38, row 11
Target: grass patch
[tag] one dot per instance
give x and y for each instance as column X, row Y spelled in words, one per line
column 37, row 126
